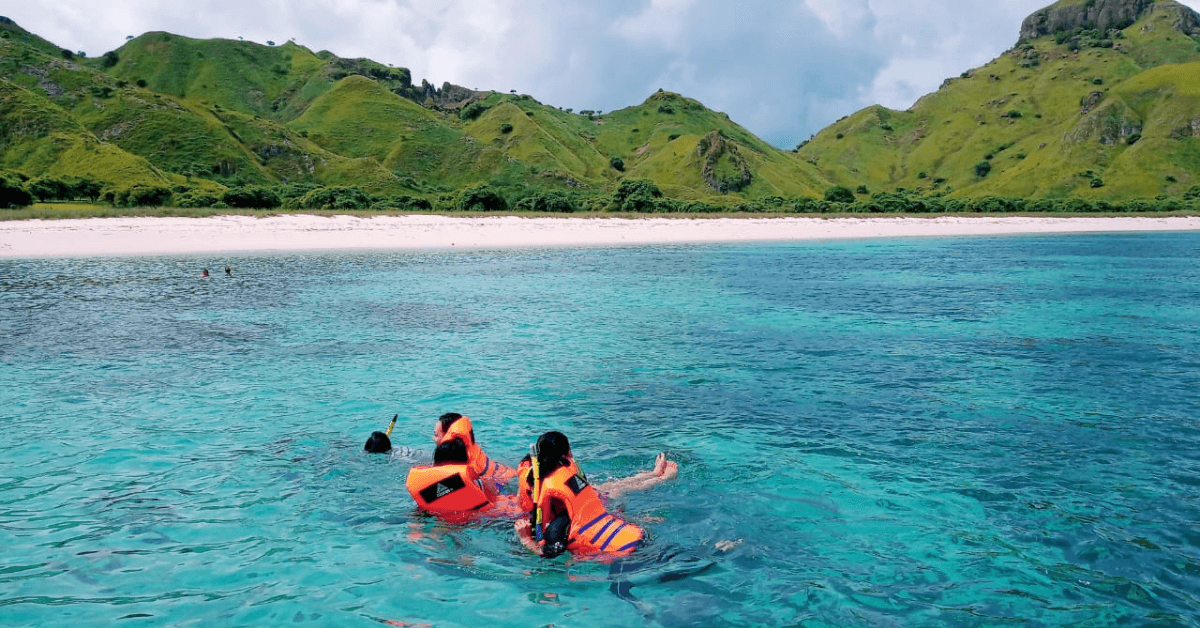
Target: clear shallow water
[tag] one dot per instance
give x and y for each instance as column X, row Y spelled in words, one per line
column 936, row 432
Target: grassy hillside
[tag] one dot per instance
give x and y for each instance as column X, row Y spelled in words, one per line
column 223, row 113
column 1100, row 100
column 1077, row 113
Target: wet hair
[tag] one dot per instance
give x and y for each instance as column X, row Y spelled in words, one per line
column 449, row 452
column 552, row 451
column 378, row 443
column 448, row 419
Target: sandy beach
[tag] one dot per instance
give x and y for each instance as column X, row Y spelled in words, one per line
column 218, row 234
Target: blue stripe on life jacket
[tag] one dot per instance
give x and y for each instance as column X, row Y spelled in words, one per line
column 607, row 525
column 612, row 536
column 627, row 546
column 592, row 522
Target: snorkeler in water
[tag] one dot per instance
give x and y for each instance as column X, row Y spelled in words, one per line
column 381, row 442
column 451, row 490
column 566, row 513
column 455, row 426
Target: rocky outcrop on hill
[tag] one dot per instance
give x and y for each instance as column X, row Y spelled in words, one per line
column 449, row 96
column 1102, row 15
column 724, row 169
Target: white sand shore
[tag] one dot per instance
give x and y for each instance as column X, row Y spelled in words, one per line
column 173, row 236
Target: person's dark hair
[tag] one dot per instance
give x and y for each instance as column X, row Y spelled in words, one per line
column 448, row 419
column 378, row 443
column 552, row 451
column 451, row 451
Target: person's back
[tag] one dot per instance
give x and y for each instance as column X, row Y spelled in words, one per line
column 567, row 511
column 592, row 529
column 449, row 488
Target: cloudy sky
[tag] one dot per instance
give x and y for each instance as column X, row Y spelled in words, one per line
column 783, row 69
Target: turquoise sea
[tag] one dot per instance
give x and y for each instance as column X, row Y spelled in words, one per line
column 979, row 431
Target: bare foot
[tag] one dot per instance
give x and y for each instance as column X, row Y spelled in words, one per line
column 660, row 464
column 670, row 470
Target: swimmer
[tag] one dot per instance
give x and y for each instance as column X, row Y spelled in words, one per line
column 579, row 524
column 567, row 514
column 378, row 443
column 228, row 271
column 381, row 442
column 452, row 491
column 454, row 426
column 204, row 273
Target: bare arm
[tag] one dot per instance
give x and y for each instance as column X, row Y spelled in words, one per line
column 663, row 470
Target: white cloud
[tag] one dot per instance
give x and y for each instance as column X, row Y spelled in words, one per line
column 843, row 18
column 783, row 69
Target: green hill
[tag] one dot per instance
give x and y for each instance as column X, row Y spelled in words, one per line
column 1096, row 101
column 207, row 115
column 1099, row 100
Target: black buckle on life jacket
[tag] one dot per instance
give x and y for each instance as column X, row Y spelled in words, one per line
column 577, row 483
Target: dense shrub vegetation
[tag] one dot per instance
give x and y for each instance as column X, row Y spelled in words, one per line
column 630, row 196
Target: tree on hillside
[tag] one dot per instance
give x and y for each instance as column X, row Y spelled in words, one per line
column 404, row 203
column 86, row 188
column 48, row 189
column 549, row 201
column 483, row 198
column 251, row 197
column 336, row 198
column 12, row 195
column 139, row 196
column 839, row 194
column 636, row 196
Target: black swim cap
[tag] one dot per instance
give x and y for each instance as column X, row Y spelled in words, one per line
column 378, row 443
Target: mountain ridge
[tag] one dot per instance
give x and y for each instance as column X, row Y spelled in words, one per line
column 1055, row 116
column 1094, row 102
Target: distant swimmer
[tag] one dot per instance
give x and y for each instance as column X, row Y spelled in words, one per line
column 204, row 272
column 228, row 271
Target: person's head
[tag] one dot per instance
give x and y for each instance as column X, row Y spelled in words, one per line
column 378, row 443
column 553, row 450
column 443, row 426
column 450, row 452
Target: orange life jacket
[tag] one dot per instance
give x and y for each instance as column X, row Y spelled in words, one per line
column 450, row 491
column 479, row 461
column 525, row 485
column 593, row 530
